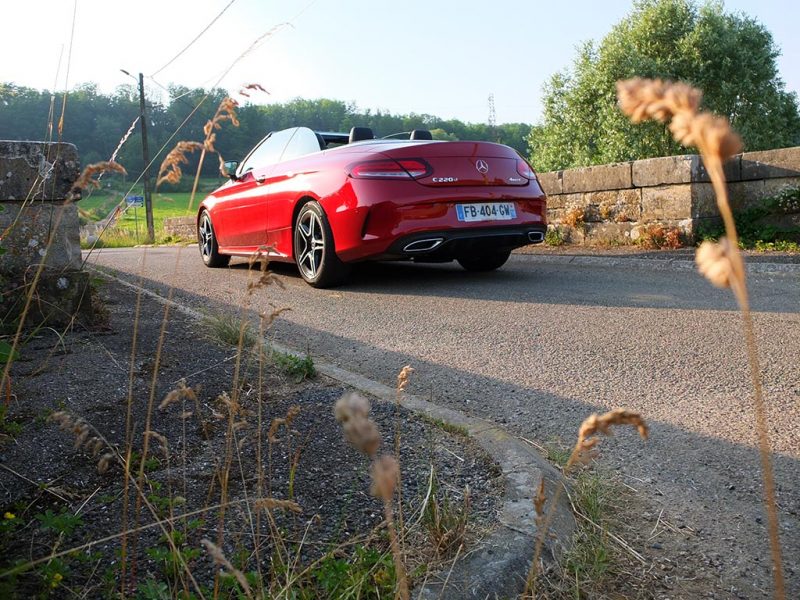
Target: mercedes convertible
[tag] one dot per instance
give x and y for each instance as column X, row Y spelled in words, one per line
column 328, row 200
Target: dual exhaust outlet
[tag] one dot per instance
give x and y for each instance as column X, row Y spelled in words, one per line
column 428, row 244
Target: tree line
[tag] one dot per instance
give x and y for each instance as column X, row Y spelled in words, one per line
column 730, row 56
column 95, row 122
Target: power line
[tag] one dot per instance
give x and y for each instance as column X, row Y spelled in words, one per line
column 197, row 37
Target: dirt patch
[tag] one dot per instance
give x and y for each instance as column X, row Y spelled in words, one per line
column 208, row 461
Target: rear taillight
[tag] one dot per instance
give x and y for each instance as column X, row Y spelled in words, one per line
column 409, row 168
column 524, row 169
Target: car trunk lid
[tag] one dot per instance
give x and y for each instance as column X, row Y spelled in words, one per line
column 463, row 163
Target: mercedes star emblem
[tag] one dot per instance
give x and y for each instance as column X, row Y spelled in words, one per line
column 482, row 166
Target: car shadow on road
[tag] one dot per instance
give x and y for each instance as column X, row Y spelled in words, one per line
column 710, row 489
column 524, row 280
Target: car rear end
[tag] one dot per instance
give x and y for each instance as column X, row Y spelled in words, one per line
column 439, row 201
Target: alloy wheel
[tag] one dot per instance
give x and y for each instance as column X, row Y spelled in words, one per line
column 206, row 237
column 311, row 244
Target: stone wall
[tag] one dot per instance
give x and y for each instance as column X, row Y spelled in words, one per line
column 619, row 200
column 40, row 229
column 184, row 228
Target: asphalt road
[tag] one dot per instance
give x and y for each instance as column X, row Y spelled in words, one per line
column 538, row 347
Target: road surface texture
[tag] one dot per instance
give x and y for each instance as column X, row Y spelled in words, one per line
column 538, row 347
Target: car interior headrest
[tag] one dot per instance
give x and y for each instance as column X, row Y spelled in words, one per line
column 358, row 134
column 421, row 134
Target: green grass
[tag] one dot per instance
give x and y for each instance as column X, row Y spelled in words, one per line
column 164, row 206
column 445, row 426
column 100, row 203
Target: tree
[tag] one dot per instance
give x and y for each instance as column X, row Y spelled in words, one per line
column 731, row 57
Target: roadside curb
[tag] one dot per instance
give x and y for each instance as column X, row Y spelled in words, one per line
column 658, row 264
column 499, row 565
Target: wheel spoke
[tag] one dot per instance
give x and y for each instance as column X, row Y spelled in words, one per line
column 310, row 242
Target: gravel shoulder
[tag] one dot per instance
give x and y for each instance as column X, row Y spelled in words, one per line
column 85, row 375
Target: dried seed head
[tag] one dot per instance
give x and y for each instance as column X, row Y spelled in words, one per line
column 104, row 462
column 161, row 440
column 363, row 434
column 272, row 504
column 219, row 559
column 350, row 406
column 352, row 411
column 538, row 503
column 170, row 169
column 182, row 392
column 86, row 178
column 251, row 86
column 602, row 424
column 291, row 414
column 385, row 474
column 643, row 99
column 710, row 133
column 402, row 378
column 714, row 262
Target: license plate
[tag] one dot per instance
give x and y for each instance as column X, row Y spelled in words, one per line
column 486, row 211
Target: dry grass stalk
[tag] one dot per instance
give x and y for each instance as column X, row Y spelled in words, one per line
column 586, row 443
column 273, row 504
column 352, row 411
column 219, row 559
column 385, row 473
column 266, row 277
column 226, row 111
column 170, row 170
column 720, row 262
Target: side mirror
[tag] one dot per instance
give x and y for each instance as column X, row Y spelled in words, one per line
column 229, row 168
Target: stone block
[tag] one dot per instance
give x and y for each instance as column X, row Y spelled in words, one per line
column 704, row 202
column 669, row 202
column 784, row 162
column 614, row 205
column 746, row 194
column 653, row 172
column 602, row 177
column 181, row 227
column 37, row 170
column 556, row 201
column 555, row 215
column 608, row 233
column 35, row 225
column 550, row 182
column 732, row 169
column 774, row 186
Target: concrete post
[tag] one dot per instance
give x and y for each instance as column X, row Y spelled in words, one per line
column 38, row 228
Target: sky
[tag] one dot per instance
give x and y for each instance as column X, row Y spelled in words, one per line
column 440, row 57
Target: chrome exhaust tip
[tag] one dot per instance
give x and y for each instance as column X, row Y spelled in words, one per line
column 535, row 237
column 423, row 245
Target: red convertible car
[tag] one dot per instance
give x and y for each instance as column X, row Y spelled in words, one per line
column 327, row 200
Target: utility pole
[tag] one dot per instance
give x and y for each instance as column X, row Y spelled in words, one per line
column 148, row 200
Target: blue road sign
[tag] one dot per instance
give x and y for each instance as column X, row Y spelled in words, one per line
column 135, row 201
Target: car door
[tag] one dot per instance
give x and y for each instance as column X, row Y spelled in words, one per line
column 243, row 206
column 286, row 183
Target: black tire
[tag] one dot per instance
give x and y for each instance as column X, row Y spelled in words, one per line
column 485, row 262
column 207, row 242
column 314, row 249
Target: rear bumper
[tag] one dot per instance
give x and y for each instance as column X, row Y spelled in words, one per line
column 445, row 245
